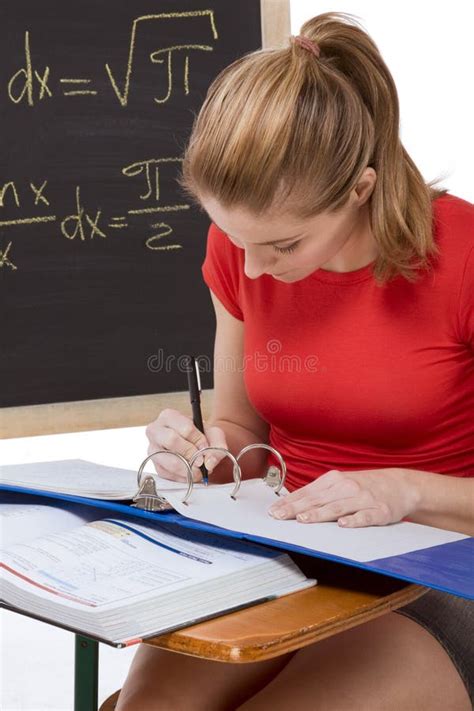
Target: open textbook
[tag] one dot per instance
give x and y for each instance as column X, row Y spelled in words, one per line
column 121, row 580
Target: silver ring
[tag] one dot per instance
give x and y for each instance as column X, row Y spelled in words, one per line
column 277, row 455
column 236, row 472
column 175, row 454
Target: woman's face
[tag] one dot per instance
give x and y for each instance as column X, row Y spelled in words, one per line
column 289, row 249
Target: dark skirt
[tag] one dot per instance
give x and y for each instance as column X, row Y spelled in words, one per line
column 451, row 620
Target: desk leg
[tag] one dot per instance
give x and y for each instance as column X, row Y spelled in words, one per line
column 86, row 674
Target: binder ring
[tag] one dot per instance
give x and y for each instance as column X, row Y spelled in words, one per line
column 175, row 454
column 236, row 472
column 277, row 455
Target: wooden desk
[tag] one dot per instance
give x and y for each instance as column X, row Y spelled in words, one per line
column 344, row 597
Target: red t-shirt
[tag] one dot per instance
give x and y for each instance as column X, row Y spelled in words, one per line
column 353, row 376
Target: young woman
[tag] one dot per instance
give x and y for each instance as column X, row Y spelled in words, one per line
column 343, row 287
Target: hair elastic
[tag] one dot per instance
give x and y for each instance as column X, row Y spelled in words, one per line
column 308, row 44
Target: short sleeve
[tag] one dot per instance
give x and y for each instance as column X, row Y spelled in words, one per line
column 466, row 302
column 221, row 270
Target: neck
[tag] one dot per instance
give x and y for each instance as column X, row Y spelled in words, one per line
column 359, row 250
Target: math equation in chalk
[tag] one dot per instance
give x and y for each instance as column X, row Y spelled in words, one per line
column 86, row 222
column 36, row 81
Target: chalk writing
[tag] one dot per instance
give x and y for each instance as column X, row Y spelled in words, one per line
column 30, row 85
column 77, row 92
column 118, row 223
column 78, row 219
column 166, row 230
column 4, row 260
column 24, row 79
column 86, row 223
column 122, row 94
column 38, row 193
column 13, row 192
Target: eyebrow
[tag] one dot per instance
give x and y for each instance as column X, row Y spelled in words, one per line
column 276, row 241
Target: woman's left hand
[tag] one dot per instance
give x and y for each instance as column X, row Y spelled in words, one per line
column 373, row 497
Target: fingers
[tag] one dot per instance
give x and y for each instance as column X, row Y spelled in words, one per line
column 378, row 516
column 349, row 513
column 328, row 487
column 315, row 488
column 307, row 511
column 216, row 438
column 329, row 512
column 170, row 467
column 343, row 498
column 174, row 432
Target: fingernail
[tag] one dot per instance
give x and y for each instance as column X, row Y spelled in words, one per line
column 303, row 517
column 279, row 513
column 198, row 462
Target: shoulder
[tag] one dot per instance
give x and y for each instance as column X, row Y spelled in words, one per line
column 453, row 231
column 221, row 248
column 454, row 205
column 223, row 256
column 222, row 270
column 453, row 220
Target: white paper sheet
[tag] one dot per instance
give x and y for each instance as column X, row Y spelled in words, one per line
column 248, row 514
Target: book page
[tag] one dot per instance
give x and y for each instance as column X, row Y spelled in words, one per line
column 249, row 514
column 23, row 519
column 73, row 476
column 113, row 562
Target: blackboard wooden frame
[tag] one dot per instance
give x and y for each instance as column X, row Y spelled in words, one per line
column 54, row 418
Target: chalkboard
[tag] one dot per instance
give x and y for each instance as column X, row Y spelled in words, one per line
column 100, row 250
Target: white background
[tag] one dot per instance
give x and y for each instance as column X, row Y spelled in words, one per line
column 427, row 46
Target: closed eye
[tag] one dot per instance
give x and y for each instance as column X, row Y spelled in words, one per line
column 285, row 250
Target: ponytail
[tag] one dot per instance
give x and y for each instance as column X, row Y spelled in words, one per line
column 287, row 127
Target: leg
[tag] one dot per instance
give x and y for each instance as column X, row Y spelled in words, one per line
column 160, row 681
column 387, row 664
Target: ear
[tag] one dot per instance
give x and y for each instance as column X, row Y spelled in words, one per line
column 365, row 185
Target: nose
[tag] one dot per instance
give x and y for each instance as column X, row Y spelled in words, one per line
column 254, row 266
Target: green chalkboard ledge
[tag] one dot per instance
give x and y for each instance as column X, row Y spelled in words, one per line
column 101, row 414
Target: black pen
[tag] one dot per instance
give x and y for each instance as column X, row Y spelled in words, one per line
column 194, row 386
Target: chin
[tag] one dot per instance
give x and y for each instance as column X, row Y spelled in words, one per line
column 283, row 277
column 291, row 276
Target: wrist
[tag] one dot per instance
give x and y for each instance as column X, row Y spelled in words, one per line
column 415, row 481
column 442, row 501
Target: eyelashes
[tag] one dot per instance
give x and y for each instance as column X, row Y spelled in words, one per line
column 280, row 250
column 285, row 250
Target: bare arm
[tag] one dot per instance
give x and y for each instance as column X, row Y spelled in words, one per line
column 231, row 409
column 443, row 501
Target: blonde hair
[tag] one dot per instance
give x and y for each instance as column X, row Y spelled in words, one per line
column 281, row 124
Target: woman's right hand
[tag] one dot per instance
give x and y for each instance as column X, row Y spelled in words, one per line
column 176, row 432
